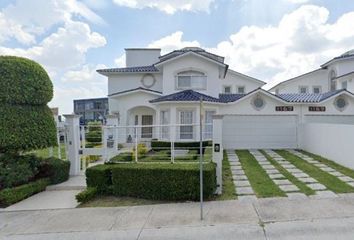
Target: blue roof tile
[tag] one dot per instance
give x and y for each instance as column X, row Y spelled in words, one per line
column 225, row 98
column 307, row 97
column 186, row 96
column 150, row 68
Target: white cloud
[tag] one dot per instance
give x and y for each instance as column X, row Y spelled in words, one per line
column 167, row 6
column 87, row 74
column 297, row 1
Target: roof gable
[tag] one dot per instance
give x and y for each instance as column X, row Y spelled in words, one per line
column 134, row 90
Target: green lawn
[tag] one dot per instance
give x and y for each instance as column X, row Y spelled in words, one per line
column 112, row 201
column 260, row 181
column 45, row 152
column 228, row 186
column 330, row 181
column 346, row 171
column 302, row 186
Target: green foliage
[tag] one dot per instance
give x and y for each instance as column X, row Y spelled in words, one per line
column 163, row 181
column 26, row 122
column 163, row 145
column 24, row 82
column 94, row 135
column 16, row 170
column 100, row 177
column 122, row 157
column 55, row 169
column 10, row 196
column 141, row 149
column 86, row 195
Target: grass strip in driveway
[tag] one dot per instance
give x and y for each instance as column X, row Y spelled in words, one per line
column 331, row 182
column 346, row 171
column 261, row 183
column 228, row 186
column 302, row 186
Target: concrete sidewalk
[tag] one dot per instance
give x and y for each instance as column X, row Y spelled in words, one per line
column 278, row 218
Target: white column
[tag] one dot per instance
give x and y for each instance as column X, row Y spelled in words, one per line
column 218, row 150
column 72, row 123
column 112, row 130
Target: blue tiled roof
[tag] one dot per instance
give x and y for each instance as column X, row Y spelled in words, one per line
column 149, row 68
column 307, row 97
column 225, row 98
column 186, row 96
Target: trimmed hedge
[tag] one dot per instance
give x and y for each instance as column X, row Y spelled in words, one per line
column 153, row 181
column 86, row 195
column 100, row 177
column 10, row 196
column 55, row 169
column 122, row 157
column 23, row 81
column 164, row 145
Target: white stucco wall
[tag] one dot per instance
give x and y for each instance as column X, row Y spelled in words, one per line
column 322, row 139
column 343, row 66
column 316, row 78
column 235, row 80
column 122, row 82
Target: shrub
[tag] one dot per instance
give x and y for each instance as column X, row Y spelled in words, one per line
column 94, row 135
column 122, row 157
column 26, row 122
column 10, row 196
column 163, row 145
column 86, row 195
column 163, row 181
column 55, row 169
column 142, row 150
column 16, row 169
column 100, row 177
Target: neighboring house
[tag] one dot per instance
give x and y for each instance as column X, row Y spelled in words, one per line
column 335, row 74
column 93, row 109
column 166, row 90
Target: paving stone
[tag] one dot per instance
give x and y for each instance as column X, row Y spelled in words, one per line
column 268, row 167
column 316, row 186
column 244, row 191
column 308, row 180
column 236, row 168
column 289, row 188
column 319, row 165
column 296, row 196
column 351, row 183
column 300, row 175
column 272, row 171
column 238, row 172
column 327, row 169
column 282, row 182
column 337, row 174
column 235, row 164
column 346, row 179
column 242, row 183
column 324, row 194
column 276, row 176
column 240, row 177
column 288, row 166
column 294, row 170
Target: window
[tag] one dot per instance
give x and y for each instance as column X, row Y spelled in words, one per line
column 332, row 81
column 146, row 132
column 258, row 103
column 241, row 89
column 191, row 80
column 208, row 131
column 227, row 89
column 316, row 89
column 165, row 120
column 303, row 89
column 344, row 85
column 186, row 119
column 340, row 103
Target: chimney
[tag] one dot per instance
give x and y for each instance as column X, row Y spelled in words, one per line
column 141, row 56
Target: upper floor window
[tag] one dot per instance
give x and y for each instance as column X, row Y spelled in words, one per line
column 303, row 89
column 316, row 89
column 344, row 85
column 227, row 89
column 191, row 80
column 241, row 89
column 332, row 80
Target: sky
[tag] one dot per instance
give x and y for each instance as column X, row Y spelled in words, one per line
column 272, row 40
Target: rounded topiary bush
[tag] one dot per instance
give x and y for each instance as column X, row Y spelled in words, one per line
column 26, row 122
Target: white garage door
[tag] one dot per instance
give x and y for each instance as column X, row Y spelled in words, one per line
column 254, row 132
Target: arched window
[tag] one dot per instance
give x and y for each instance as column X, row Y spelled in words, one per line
column 191, row 80
column 332, row 81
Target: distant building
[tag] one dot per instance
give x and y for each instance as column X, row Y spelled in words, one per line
column 93, row 109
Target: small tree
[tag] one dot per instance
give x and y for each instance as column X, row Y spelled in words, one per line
column 94, row 134
column 26, row 122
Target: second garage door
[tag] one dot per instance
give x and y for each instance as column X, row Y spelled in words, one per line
column 255, row 132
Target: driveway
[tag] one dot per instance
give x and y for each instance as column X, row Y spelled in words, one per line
column 272, row 218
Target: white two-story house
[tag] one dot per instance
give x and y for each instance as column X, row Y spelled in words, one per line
column 165, row 90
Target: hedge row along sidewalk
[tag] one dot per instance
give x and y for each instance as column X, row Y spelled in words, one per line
column 260, row 181
column 152, row 181
column 331, row 182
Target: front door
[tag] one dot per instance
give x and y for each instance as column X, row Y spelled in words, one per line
column 146, row 132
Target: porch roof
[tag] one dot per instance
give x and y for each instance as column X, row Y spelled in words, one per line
column 186, row 96
column 308, row 97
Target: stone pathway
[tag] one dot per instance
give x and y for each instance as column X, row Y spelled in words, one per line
column 320, row 189
column 279, row 179
column 242, row 185
column 324, row 167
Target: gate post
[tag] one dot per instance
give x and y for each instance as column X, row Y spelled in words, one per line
column 72, row 124
column 112, row 134
column 218, row 150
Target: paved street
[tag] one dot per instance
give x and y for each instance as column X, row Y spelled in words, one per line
column 277, row 218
